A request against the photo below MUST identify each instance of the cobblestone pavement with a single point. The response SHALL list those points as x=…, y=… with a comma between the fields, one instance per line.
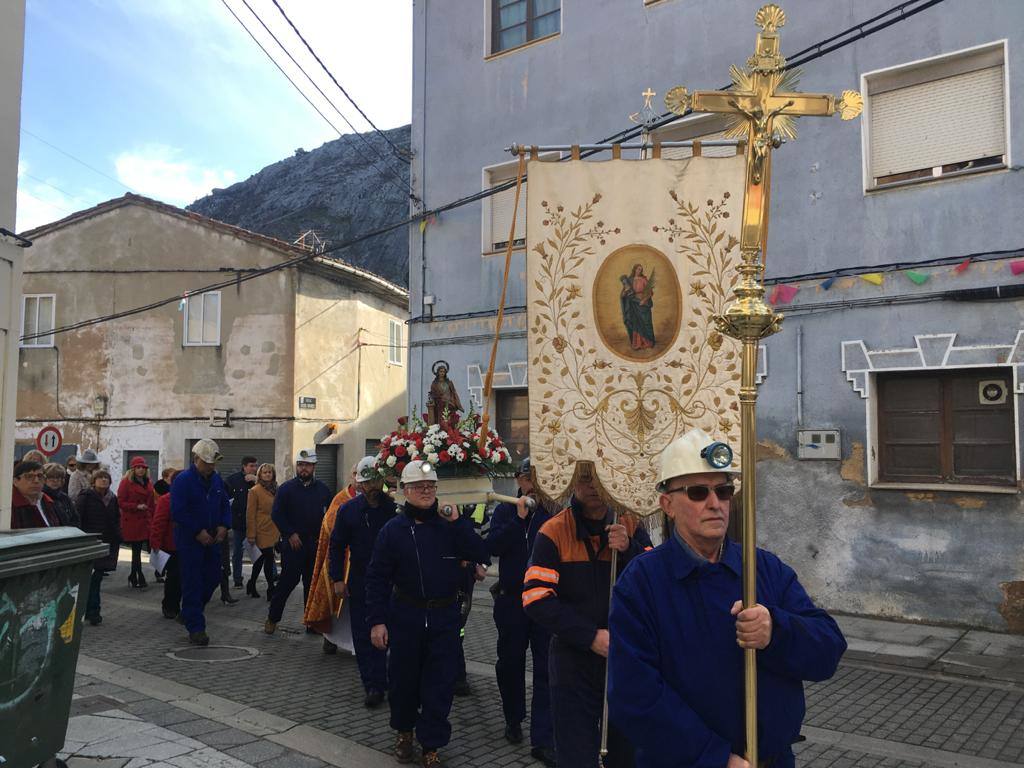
x=869, y=714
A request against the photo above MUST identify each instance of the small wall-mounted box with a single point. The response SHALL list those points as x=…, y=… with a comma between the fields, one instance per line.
x=818, y=444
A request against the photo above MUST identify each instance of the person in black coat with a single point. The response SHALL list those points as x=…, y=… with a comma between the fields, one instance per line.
x=238, y=486
x=100, y=513
x=54, y=480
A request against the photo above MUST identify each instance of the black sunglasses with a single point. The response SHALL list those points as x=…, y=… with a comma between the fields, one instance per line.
x=700, y=492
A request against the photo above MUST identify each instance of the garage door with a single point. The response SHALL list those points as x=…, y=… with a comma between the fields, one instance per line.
x=235, y=450
x=327, y=465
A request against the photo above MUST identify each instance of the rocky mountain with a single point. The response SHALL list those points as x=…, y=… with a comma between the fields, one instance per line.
x=341, y=190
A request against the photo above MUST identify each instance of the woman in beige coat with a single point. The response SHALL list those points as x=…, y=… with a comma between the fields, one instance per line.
x=260, y=528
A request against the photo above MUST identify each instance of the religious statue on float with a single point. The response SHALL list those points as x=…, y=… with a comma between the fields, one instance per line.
x=443, y=404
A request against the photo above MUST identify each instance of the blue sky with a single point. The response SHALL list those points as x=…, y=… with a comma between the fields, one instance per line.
x=170, y=98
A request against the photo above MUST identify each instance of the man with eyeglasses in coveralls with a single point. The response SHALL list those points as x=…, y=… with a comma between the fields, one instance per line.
x=679, y=630
x=412, y=607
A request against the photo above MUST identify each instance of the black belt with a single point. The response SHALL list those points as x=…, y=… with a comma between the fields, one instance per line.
x=419, y=602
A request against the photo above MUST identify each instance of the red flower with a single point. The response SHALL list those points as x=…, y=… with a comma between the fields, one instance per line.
x=403, y=420
x=426, y=415
x=384, y=453
x=399, y=466
x=400, y=451
x=419, y=441
x=444, y=457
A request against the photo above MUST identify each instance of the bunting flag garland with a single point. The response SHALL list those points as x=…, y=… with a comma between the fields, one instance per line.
x=1017, y=267
x=431, y=219
x=917, y=278
x=875, y=278
x=962, y=266
x=826, y=284
x=783, y=294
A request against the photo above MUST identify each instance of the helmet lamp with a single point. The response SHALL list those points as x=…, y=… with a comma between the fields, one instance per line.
x=718, y=455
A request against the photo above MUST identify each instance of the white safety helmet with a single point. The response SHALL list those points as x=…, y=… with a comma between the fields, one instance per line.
x=695, y=453
x=417, y=471
x=307, y=455
x=366, y=470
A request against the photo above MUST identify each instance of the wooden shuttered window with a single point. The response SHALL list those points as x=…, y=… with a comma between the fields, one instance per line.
x=929, y=121
x=949, y=427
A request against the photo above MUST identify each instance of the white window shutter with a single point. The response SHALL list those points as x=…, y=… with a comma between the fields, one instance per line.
x=941, y=122
x=501, y=216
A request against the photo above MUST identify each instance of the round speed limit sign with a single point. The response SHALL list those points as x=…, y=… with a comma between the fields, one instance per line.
x=49, y=440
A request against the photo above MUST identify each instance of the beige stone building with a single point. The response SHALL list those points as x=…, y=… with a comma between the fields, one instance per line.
x=264, y=363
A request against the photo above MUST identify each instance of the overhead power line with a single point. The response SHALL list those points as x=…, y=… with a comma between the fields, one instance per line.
x=903, y=11
x=404, y=156
x=54, y=147
x=406, y=189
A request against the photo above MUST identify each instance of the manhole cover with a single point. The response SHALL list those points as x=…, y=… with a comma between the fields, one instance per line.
x=211, y=653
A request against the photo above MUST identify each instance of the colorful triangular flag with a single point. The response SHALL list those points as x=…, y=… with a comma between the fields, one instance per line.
x=918, y=278
x=827, y=283
x=875, y=278
x=962, y=266
x=783, y=294
x=1017, y=267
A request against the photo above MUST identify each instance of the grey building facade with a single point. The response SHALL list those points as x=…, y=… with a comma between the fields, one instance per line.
x=900, y=360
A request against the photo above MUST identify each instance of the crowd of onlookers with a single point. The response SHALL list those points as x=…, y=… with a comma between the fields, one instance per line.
x=136, y=514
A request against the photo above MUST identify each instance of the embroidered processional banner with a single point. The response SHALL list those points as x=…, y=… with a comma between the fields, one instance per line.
x=627, y=263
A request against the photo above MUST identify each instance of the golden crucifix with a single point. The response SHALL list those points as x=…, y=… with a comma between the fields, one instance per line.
x=762, y=105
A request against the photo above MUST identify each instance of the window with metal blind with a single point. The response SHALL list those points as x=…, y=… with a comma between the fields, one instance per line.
x=937, y=118
x=395, y=342
x=502, y=204
x=950, y=427
x=202, y=320
x=512, y=412
x=517, y=22
x=704, y=128
x=38, y=312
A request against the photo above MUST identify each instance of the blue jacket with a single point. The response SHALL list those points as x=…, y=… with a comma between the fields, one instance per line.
x=419, y=560
x=238, y=489
x=356, y=527
x=676, y=673
x=299, y=508
x=198, y=504
x=511, y=540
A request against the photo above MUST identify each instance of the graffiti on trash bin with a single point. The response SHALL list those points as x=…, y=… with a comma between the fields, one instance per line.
x=29, y=628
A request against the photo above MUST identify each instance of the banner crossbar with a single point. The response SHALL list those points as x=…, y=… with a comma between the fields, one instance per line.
x=516, y=149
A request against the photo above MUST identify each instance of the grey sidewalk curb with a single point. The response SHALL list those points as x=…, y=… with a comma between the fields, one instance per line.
x=332, y=749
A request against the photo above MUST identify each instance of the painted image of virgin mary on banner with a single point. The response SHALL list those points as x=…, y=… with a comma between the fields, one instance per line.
x=637, y=301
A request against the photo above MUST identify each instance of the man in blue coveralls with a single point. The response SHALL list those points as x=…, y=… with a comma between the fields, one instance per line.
x=514, y=528
x=678, y=630
x=201, y=510
x=355, y=529
x=412, y=594
x=298, y=513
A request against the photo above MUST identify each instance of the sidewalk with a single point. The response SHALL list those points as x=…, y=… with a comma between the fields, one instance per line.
x=906, y=695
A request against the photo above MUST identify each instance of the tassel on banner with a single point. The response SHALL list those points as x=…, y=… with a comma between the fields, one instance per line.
x=875, y=278
x=783, y=294
x=962, y=266
x=1017, y=267
x=917, y=278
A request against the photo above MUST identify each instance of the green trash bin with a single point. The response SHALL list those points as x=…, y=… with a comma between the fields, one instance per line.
x=44, y=587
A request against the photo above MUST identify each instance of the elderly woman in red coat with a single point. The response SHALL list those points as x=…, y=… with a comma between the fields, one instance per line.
x=161, y=537
x=137, y=500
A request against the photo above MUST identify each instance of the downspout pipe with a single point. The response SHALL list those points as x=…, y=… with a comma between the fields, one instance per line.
x=799, y=376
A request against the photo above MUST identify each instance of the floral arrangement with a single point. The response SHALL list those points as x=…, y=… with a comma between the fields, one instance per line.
x=454, y=445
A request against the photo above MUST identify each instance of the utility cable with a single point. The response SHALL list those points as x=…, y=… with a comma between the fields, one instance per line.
x=407, y=188
x=80, y=162
x=404, y=156
x=423, y=215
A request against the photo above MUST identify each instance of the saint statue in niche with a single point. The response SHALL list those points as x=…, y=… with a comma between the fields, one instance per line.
x=443, y=404
x=637, y=302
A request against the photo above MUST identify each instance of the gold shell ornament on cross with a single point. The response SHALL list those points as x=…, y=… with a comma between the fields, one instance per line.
x=677, y=100
x=770, y=18
x=850, y=105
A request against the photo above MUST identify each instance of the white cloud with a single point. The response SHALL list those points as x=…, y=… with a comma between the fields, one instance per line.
x=159, y=171
x=40, y=201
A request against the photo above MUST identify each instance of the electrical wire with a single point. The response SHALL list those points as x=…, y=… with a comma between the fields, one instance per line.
x=398, y=152
x=407, y=188
x=41, y=140
x=423, y=215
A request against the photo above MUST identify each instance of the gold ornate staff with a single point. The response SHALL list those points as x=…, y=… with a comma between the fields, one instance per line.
x=762, y=105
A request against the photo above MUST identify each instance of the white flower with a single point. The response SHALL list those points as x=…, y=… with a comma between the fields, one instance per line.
x=391, y=461
x=432, y=458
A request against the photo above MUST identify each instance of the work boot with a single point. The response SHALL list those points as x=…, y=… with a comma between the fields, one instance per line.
x=374, y=698
x=329, y=648
x=514, y=733
x=168, y=613
x=404, y=750
x=545, y=755
x=432, y=760
x=198, y=638
x=269, y=626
